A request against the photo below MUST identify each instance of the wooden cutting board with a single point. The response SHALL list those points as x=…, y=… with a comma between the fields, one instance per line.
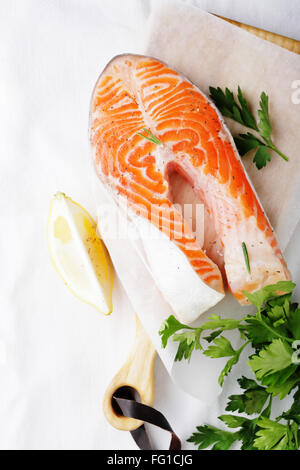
x=138, y=371
x=282, y=41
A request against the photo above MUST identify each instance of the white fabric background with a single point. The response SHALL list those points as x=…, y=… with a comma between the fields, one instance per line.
x=57, y=355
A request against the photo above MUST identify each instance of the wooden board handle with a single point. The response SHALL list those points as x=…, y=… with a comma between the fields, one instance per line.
x=138, y=373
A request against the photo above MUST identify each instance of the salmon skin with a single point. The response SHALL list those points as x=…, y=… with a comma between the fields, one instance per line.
x=136, y=92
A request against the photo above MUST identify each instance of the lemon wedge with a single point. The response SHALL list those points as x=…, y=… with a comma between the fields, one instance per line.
x=78, y=254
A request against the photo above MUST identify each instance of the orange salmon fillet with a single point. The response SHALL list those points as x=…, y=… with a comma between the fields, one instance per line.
x=136, y=92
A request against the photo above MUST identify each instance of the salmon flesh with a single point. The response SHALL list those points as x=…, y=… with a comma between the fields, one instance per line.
x=135, y=93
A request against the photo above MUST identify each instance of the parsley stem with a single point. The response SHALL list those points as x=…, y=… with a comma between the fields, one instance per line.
x=243, y=347
x=239, y=351
x=272, y=147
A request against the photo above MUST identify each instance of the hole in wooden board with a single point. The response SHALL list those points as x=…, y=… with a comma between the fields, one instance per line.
x=129, y=393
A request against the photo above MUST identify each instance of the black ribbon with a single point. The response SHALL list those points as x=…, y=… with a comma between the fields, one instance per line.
x=125, y=403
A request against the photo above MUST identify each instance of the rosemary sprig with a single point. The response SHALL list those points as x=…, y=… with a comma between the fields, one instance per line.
x=151, y=137
x=246, y=256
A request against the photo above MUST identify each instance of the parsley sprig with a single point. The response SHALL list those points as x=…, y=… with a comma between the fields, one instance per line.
x=273, y=332
x=240, y=111
x=260, y=433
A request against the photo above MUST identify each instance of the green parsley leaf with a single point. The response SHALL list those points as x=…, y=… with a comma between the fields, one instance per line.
x=227, y=369
x=264, y=124
x=247, y=431
x=279, y=311
x=251, y=401
x=261, y=331
x=247, y=116
x=247, y=142
x=294, y=324
x=281, y=383
x=294, y=412
x=215, y=321
x=209, y=435
x=213, y=335
x=258, y=298
x=261, y=157
x=247, y=384
x=222, y=348
x=229, y=365
x=247, y=434
x=233, y=421
x=274, y=358
x=168, y=328
x=227, y=105
x=273, y=435
x=188, y=341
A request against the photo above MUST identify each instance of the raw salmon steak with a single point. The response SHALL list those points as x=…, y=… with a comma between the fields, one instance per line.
x=135, y=93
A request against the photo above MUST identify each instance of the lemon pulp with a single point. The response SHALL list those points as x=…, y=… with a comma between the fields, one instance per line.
x=78, y=254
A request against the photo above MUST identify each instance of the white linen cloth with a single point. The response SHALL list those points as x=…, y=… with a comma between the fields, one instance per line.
x=57, y=355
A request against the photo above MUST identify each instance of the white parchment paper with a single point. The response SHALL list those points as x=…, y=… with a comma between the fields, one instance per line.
x=210, y=51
